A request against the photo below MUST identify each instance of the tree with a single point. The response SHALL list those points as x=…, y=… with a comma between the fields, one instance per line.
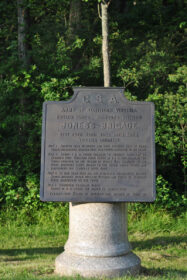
x=74, y=18
x=148, y=58
x=22, y=32
x=105, y=44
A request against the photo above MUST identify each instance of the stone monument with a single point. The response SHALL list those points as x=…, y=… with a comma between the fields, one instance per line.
x=98, y=153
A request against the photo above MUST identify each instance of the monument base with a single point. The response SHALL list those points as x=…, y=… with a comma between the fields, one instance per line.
x=98, y=242
x=71, y=265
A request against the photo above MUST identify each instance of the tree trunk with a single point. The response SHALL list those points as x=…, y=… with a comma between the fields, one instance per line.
x=22, y=14
x=74, y=18
x=105, y=47
x=22, y=31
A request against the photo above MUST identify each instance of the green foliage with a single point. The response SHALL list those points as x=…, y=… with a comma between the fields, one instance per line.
x=180, y=79
x=8, y=186
x=167, y=200
x=23, y=203
x=170, y=137
x=56, y=89
x=20, y=128
x=147, y=55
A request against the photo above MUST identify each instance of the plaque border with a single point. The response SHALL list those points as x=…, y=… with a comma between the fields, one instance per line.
x=76, y=91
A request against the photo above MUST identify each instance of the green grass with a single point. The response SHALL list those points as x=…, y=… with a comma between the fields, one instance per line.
x=28, y=252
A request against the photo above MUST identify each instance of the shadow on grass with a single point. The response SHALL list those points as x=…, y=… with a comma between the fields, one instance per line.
x=30, y=252
x=158, y=241
x=161, y=272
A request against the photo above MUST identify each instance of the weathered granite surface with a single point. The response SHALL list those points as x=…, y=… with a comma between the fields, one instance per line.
x=98, y=242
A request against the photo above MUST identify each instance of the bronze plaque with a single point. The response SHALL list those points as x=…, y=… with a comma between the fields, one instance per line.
x=98, y=147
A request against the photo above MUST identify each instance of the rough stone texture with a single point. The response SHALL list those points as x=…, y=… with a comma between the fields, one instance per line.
x=98, y=242
x=69, y=265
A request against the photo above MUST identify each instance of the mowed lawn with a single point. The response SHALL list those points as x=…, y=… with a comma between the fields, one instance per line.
x=29, y=251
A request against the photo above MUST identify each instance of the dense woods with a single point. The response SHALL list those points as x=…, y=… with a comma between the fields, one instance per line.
x=46, y=47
